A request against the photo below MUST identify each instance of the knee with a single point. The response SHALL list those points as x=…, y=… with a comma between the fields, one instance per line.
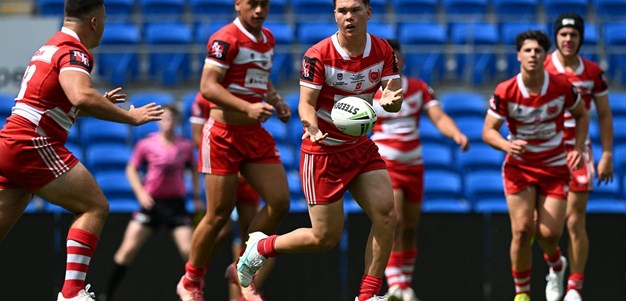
x=386, y=218
x=522, y=234
x=576, y=221
x=327, y=242
x=100, y=209
x=216, y=220
x=280, y=206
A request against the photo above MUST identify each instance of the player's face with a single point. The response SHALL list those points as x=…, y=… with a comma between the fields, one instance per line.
x=531, y=56
x=352, y=16
x=168, y=122
x=252, y=13
x=568, y=40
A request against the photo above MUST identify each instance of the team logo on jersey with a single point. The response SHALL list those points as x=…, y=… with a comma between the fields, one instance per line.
x=308, y=69
x=553, y=109
x=218, y=50
x=80, y=58
x=494, y=103
x=374, y=76
x=339, y=76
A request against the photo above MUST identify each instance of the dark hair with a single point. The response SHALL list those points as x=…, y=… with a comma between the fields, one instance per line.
x=81, y=8
x=572, y=20
x=365, y=2
x=537, y=35
x=395, y=45
x=173, y=109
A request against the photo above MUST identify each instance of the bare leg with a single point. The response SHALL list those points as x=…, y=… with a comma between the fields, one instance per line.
x=12, y=204
x=521, y=212
x=135, y=236
x=577, y=228
x=270, y=182
x=182, y=237
x=551, y=216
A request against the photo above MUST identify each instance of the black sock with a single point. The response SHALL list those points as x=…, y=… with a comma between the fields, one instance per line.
x=116, y=277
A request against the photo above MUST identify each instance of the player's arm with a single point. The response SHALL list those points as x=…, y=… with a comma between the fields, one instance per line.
x=446, y=126
x=78, y=89
x=196, y=133
x=308, y=115
x=574, y=158
x=273, y=97
x=392, y=97
x=145, y=199
x=492, y=136
x=212, y=89
x=605, y=119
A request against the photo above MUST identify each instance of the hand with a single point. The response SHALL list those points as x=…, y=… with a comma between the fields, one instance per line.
x=147, y=113
x=605, y=169
x=391, y=101
x=259, y=111
x=462, y=141
x=284, y=112
x=113, y=97
x=516, y=147
x=312, y=132
x=575, y=159
x=145, y=200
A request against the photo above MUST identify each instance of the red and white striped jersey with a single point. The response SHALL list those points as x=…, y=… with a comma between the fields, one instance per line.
x=327, y=67
x=589, y=80
x=397, y=134
x=247, y=59
x=537, y=119
x=41, y=103
x=200, y=110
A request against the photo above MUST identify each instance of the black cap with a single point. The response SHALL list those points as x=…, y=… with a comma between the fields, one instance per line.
x=572, y=20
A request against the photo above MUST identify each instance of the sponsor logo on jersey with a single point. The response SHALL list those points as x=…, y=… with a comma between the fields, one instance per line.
x=218, y=50
x=80, y=58
x=308, y=69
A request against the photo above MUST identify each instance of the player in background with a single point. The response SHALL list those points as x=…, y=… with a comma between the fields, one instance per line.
x=591, y=83
x=236, y=80
x=161, y=193
x=398, y=141
x=56, y=88
x=536, y=173
x=247, y=203
x=351, y=62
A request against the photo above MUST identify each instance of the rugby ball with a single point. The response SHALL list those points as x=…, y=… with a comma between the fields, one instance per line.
x=353, y=116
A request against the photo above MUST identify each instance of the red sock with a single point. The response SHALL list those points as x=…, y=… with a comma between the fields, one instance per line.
x=554, y=260
x=370, y=286
x=575, y=282
x=408, y=265
x=80, y=247
x=266, y=247
x=522, y=281
x=193, y=276
x=393, y=271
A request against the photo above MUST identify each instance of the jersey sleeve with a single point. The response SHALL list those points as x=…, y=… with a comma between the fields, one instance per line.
x=572, y=97
x=75, y=59
x=430, y=99
x=390, y=69
x=497, y=105
x=312, y=74
x=222, y=49
x=601, y=84
x=139, y=155
x=200, y=110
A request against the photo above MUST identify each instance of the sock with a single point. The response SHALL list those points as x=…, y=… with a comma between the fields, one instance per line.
x=554, y=260
x=575, y=282
x=266, y=247
x=393, y=271
x=408, y=265
x=370, y=286
x=193, y=276
x=116, y=277
x=522, y=281
x=80, y=247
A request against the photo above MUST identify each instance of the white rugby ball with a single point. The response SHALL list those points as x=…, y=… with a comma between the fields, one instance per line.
x=353, y=115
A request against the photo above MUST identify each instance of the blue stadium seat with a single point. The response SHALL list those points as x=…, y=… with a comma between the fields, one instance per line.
x=211, y=10
x=118, y=191
x=606, y=190
x=381, y=30
x=119, y=10
x=203, y=32
x=424, y=44
x=278, y=9
x=480, y=156
x=142, y=131
x=379, y=8
x=606, y=206
x=443, y=192
x=437, y=156
x=294, y=132
x=472, y=127
x=277, y=128
x=187, y=103
x=466, y=9
x=96, y=131
x=508, y=32
x=617, y=103
x=422, y=9
x=554, y=8
x=619, y=135
x=594, y=131
x=464, y=104
x=592, y=37
x=168, y=63
x=515, y=9
x=322, y=9
x=295, y=186
x=107, y=157
x=492, y=205
x=615, y=35
x=288, y=156
x=619, y=159
x=481, y=61
x=282, y=64
x=292, y=100
x=143, y=98
x=430, y=134
x=610, y=9
x=483, y=185
x=311, y=33
x=162, y=10
x=74, y=135
x=51, y=7
x=118, y=57
x=76, y=149
x=7, y=101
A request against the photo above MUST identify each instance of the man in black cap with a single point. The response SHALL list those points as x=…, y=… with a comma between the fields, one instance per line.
x=591, y=83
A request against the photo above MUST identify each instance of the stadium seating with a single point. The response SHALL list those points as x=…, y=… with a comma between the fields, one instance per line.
x=437, y=156
x=443, y=192
x=515, y=9
x=51, y=7
x=614, y=37
x=143, y=98
x=472, y=127
x=162, y=10
x=554, y=8
x=381, y=30
x=480, y=156
x=76, y=149
x=7, y=101
x=288, y=156
x=96, y=131
x=484, y=185
x=277, y=128
x=187, y=101
x=464, y=104
x=282, y=65
x=320, y=10
x=619, y=135
x=211, y=10
x=107, y=157
x=118, y=59
x=311, y=33
x=617, y=103
x=422, y=9
x=119, y=10
x=610, y=9
x=118, y=191
x=430, y=134
x=619, y=159
x=168, y=62
x=426, y=59
x=467, y=9
x=481, y=61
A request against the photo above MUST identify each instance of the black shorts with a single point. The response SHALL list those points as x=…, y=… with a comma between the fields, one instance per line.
x=170, y=212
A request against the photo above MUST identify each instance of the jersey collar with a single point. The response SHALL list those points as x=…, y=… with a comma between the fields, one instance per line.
x=524, y=91
x=344, y=54
x=559, y=67
x=247, y=33
x=70, y=32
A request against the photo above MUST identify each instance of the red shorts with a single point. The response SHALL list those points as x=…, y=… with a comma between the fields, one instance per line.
x=31, y=162
x=246, y=194
x=582, y=178
x=325, y=178
x=549, y=181
x=409, y=179
x=225, y=147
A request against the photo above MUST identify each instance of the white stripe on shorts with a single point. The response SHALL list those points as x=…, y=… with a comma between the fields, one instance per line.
x=50, y=156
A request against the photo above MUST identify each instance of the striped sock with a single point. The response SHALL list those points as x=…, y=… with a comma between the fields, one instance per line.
x=80, y=247
x=522, y=281
x=393, y=271
x=408, y=266
x=370, y=286
x=554, y=260
x=575, y=282
x=193, y=276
